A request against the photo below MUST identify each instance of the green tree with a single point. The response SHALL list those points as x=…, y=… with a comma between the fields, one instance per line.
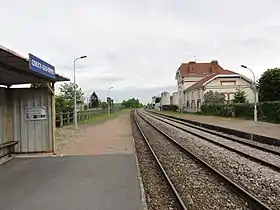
x=65, y=100
x=94, y=101
x=124, y=104
x=60, y=105
x=214, y=97
x=103, y=105
x=112, y=102
x=131, y=103
x=157, y=100
x=239, y=96
x=269, y=85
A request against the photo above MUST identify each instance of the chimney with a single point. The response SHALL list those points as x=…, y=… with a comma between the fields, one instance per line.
x=214, y=67
x=192, y=66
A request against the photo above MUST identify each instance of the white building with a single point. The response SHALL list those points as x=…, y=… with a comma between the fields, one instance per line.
x=195, y=79
x=174, y=100
x=192, y=72
x=165, y=99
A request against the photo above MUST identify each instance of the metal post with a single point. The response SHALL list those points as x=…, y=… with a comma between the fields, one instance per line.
x=61, y=119
x=255, y=93
x=68, y=118
x=75, y=94
x=75, y=97
x=109, y=101
x=182, y=101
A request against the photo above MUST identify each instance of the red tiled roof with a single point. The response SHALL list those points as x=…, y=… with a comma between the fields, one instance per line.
x=207, y=78
x=199, y=69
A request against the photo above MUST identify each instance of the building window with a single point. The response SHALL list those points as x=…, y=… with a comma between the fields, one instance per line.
x=228, y=83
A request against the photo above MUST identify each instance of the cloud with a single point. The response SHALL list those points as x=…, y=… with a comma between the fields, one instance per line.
x=138, y=45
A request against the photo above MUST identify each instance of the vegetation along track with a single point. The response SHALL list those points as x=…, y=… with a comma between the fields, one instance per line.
x=198, y=183
x=265, y=156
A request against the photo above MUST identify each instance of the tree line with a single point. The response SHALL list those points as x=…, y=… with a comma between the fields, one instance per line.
x=65, y=100
x=132, y=104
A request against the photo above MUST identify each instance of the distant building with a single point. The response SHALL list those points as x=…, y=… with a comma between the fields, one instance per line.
x=195, y=79
x=165, y=99
x=192, y=72
x=174, y=97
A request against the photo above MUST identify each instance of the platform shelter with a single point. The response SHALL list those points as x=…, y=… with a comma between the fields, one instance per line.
x=27, y=115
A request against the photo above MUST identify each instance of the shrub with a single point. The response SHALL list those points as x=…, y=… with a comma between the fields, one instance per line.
x=212, y=109
x=267, y=111
x=169, y=108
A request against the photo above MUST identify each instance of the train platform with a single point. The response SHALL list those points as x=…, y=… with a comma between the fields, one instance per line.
x=259, y=128
x=100, y=174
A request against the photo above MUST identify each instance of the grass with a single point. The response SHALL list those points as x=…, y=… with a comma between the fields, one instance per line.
x=101, y=118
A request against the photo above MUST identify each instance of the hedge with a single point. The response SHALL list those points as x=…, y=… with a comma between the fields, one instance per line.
x=267, y=111
x=169, y=108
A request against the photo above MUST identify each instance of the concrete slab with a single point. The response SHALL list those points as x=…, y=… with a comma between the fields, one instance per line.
x=70, y=182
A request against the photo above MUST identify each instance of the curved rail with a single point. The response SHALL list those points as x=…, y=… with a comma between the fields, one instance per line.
x=261, y=161
x=178, y=197
x=181, y=121
x=239, y=190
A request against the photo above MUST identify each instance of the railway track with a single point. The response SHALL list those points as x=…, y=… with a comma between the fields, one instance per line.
x=262, y=146
x=178, y=198
x=269, y=157
x=253, y=202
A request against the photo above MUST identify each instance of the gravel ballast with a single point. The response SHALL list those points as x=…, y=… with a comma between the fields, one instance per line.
x=266, y=156
x=251, y=142
x=198, y=188
x=259, y=180
x=157, y=191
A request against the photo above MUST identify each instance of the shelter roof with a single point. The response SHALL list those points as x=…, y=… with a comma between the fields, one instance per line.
x=14, y=70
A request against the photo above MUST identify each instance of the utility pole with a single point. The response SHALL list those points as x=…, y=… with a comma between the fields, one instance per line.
x=255, y=93
x=109, y=100
x=75, y=94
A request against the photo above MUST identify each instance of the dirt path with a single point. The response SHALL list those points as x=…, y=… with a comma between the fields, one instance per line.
x=111, y=137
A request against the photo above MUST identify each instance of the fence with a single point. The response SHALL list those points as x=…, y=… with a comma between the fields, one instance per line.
x=68, y=117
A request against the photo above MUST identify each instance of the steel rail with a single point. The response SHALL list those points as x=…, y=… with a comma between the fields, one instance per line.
x=181, y=121
x=255, y=202
x=178, y=197
x=255, y=159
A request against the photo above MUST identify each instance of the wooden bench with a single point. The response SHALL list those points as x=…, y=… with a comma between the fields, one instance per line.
x=10, y=145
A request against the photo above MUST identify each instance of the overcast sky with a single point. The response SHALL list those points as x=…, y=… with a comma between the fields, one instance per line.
x=137, y=45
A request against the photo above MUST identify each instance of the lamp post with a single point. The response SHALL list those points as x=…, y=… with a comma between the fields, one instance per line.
x=75, y=94
x=109, y=101
x=255, y=93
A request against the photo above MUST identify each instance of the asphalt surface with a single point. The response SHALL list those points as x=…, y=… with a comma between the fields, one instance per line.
x=99, y=182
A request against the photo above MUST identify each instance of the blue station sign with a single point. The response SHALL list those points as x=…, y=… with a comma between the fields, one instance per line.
x=39, y=66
